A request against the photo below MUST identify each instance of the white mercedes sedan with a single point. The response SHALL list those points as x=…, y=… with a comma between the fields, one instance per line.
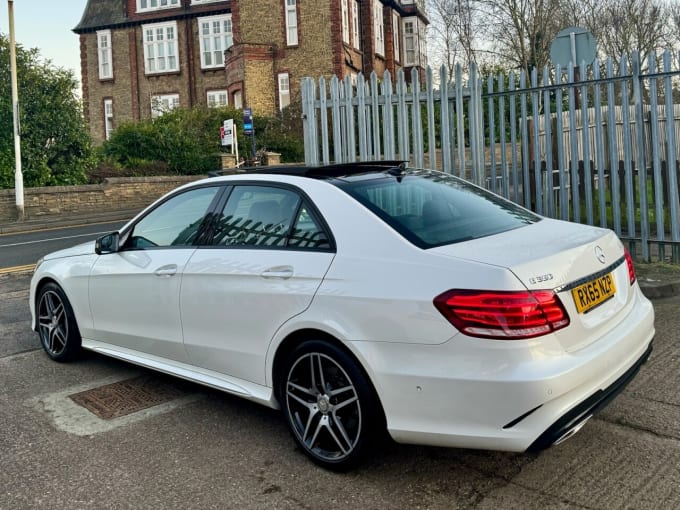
x=359, y=299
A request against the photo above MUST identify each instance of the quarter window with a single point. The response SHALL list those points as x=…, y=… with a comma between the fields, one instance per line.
x=160, y=48
x=104, y=54
x=175, y=222
x=216, y=36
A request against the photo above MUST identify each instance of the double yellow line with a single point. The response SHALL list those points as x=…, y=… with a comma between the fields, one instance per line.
x=17, y=269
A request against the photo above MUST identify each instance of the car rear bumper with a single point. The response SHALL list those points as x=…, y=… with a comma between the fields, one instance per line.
x=503, y=395
x=571, y=422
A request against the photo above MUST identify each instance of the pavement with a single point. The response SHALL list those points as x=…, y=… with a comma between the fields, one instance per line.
x=657, y=280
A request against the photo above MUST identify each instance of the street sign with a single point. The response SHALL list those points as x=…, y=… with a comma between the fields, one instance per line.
x=228, y=132
x=248, y=128
x=575, y=45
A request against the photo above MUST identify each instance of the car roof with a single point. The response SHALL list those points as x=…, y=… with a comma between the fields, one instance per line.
x=317, y=172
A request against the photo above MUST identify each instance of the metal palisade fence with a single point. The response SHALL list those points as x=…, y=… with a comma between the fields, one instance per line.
x=601, y=148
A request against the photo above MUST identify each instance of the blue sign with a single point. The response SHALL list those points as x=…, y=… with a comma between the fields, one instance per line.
x=248, y=128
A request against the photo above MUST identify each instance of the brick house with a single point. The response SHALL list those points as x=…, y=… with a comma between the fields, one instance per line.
x=142, y=57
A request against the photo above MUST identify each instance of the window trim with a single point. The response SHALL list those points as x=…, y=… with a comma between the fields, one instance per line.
x=107, y=132
x=356, y=24
x=208, y=93
x=345, y=20
x=414, y=35
x=211, y=37
x=396, y=36
x=287, y=9
x=279, y=76
x=145, y=44
x=160, y=97
x=107, y=51
x=175, y=5
x=379, y=28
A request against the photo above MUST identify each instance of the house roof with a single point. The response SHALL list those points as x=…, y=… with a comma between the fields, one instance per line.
x=101, y=14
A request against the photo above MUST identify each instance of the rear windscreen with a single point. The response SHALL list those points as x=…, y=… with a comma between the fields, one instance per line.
x=433, y=209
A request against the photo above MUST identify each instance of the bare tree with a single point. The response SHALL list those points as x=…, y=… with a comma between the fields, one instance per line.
x=628, y=25
x=521, y=30
x=453, y=27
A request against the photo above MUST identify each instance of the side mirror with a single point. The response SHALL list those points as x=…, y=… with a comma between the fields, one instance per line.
x=107, y=243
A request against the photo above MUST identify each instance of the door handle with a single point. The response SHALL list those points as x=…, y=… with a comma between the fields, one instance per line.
x=166, y=271
x=282, y=272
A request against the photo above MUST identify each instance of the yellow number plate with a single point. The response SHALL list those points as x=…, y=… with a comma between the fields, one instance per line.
x=593, y=293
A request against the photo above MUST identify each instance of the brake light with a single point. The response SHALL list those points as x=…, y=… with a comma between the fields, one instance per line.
x=503, y=315
x=629, y=263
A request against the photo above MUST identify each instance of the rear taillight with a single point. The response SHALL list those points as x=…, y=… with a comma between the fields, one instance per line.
x=503, y=315
x=629, y=263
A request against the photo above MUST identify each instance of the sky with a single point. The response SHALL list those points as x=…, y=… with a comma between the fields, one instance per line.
x=47, y=25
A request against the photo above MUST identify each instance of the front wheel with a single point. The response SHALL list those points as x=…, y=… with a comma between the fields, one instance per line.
x=57, y=325
x=330, y=405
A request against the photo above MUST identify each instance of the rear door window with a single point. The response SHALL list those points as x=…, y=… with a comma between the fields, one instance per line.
x=433, y=209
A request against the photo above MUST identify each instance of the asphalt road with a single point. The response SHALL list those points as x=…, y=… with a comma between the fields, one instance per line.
x=26, y=248
x=209, y=450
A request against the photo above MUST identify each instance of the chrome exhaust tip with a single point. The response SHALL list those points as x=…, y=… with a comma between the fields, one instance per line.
x=569, y=433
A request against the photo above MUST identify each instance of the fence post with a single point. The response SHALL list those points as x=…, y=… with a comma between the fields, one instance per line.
x=309, y=122
x=641, y=163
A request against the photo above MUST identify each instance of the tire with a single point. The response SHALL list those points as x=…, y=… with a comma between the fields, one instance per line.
x=57, y=327
x=330, y=405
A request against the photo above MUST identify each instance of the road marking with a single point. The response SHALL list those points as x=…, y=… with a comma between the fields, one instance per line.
x=17, y=269
x=64, y=227
x=53, y=239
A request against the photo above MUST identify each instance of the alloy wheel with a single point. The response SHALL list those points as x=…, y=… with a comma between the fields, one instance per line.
x=324, y=407
x=53, y=323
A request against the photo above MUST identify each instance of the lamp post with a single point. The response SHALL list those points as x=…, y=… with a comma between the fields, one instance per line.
x=18, y=175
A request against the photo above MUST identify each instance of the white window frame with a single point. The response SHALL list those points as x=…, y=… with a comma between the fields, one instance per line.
x=356, y=32
x=284, y=90
x=108, y=118
x=162, y=103
x=344, y=13
x=396, y=36
x=238, y=99
x=157, y=5
x=214, y=98
x=422, y=43
x=410, y=34
x=161, y=49
x=291, y=22
x=104, y=54
x=378, y=28
x=214, y=43
x=198, y=2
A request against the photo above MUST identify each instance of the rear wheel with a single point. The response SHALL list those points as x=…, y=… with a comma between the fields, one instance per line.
x=57, y=325
x=329, y=404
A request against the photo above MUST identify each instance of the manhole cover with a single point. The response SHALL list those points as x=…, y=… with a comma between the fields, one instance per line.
x=129, y=396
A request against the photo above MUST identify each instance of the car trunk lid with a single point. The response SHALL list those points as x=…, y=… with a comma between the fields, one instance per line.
x=583, y=265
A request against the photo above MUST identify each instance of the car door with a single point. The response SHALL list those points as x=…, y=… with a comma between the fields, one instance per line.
x=134, y=292
x=270, y=253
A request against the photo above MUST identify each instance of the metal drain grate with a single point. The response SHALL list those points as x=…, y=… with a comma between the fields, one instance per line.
x=129, y=396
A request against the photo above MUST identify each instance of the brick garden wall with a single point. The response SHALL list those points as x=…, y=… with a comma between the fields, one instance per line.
x=131, y=193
